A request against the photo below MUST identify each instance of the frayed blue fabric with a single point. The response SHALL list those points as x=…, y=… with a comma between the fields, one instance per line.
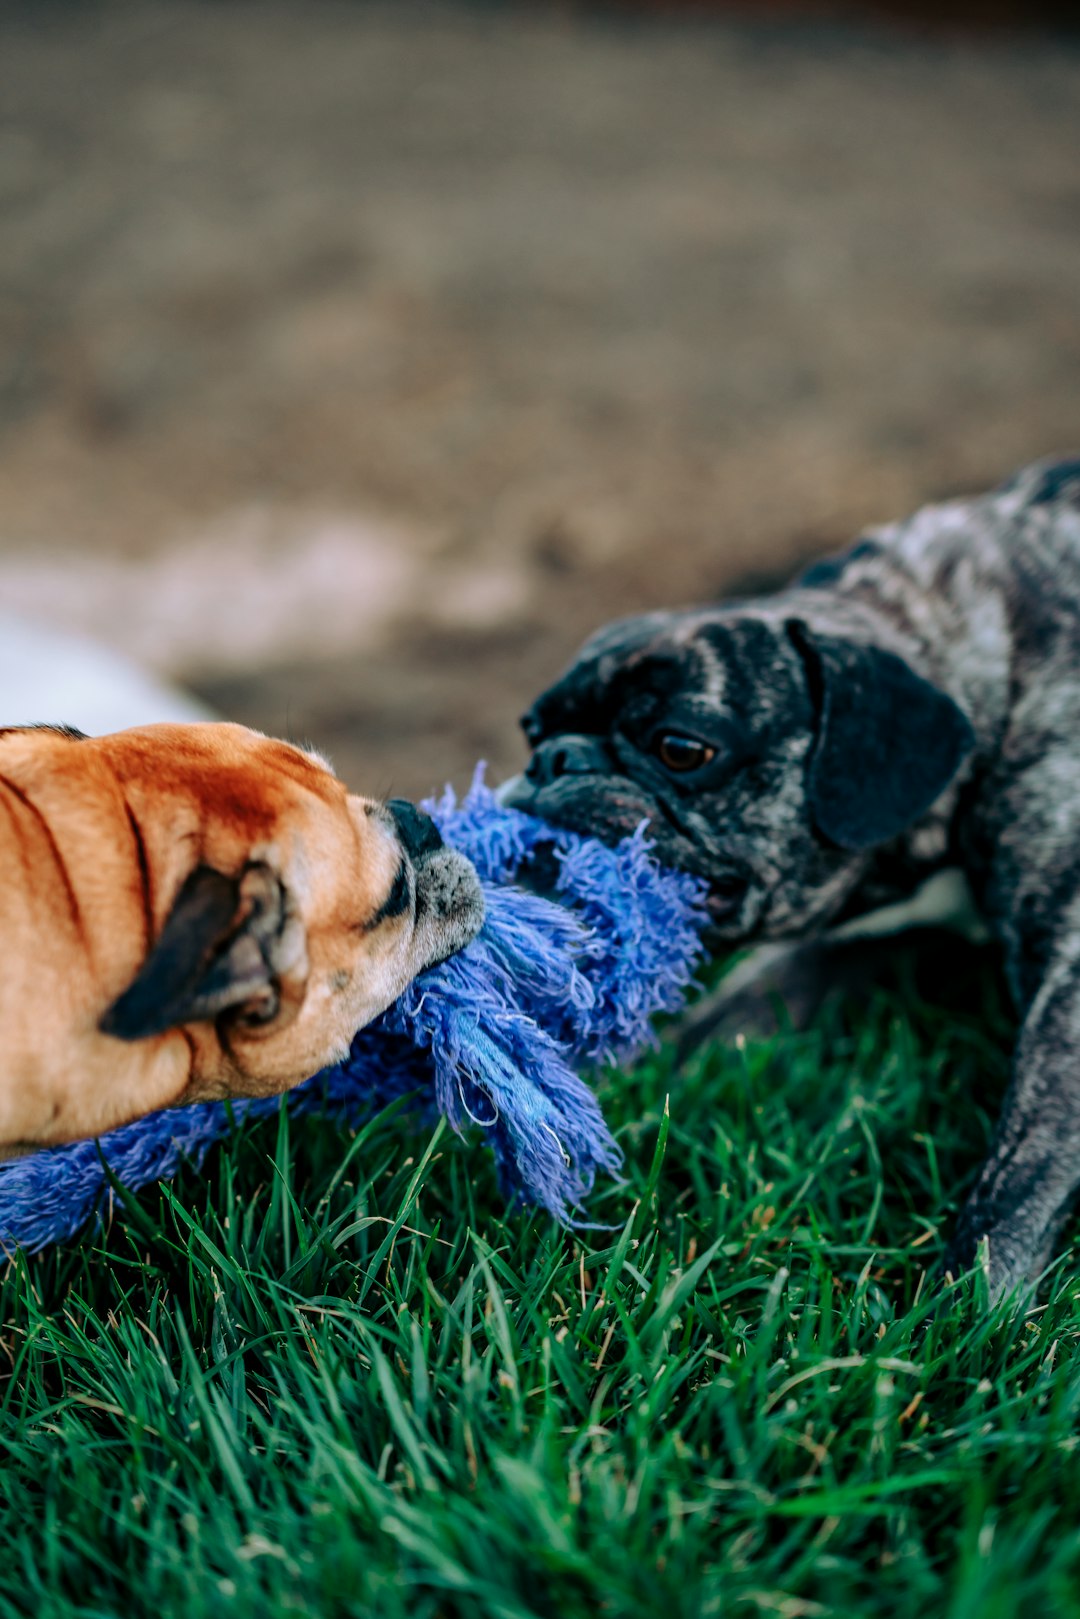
x=494, y=1037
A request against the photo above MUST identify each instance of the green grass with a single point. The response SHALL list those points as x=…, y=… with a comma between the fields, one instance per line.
x=333, y=1377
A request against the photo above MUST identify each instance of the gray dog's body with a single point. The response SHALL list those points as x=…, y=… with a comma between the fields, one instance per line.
x=816, y=754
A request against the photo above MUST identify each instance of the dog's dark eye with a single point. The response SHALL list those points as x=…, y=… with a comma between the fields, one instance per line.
x=682, y=753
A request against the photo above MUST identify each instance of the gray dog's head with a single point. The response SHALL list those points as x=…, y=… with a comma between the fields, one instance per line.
x=766, y=756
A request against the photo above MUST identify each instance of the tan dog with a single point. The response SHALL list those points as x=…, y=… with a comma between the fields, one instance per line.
x=196, y=911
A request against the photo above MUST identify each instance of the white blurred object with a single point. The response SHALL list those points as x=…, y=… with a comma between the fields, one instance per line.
x=51, y=677
x=308, y=581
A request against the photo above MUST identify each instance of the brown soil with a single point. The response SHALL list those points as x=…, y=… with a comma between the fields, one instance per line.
x=355, y=360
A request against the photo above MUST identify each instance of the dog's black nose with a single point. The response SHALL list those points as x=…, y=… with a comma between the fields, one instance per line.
x=418, y=833
x=567, y=756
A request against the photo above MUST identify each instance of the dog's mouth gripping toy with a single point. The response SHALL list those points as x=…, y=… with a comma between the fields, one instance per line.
x=492, y=1037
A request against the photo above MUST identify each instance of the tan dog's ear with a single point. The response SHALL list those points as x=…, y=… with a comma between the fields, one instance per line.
x=212, y=956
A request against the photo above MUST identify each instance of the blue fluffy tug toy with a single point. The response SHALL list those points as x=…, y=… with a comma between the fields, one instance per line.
x=492, y=1037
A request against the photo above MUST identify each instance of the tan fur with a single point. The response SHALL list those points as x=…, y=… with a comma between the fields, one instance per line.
x=97, y=837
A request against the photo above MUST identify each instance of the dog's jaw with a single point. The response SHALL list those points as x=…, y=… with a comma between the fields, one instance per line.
x=741, y=825
x=449, y=906
x=354, y=972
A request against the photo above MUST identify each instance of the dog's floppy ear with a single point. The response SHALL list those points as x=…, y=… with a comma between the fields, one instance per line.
x=888, y=742
x=211, y=957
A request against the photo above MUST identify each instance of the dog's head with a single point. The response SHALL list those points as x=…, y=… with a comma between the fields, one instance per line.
x=767, y=756
x=284, y=912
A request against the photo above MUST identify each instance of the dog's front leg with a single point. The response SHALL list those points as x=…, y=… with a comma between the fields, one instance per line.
x=782, y=985
x=789, y=982
x=1028, y=1184
x=776, y=984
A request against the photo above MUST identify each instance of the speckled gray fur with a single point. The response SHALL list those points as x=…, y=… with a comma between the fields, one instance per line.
x=822, y=739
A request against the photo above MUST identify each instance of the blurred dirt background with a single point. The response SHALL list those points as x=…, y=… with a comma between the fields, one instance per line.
x=357, y=359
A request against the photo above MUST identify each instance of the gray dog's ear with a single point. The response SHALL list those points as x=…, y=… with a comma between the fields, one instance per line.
x=211, y=957
x=888, y=742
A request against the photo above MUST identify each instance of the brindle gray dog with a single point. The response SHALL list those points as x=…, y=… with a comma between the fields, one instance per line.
x=911, y=705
